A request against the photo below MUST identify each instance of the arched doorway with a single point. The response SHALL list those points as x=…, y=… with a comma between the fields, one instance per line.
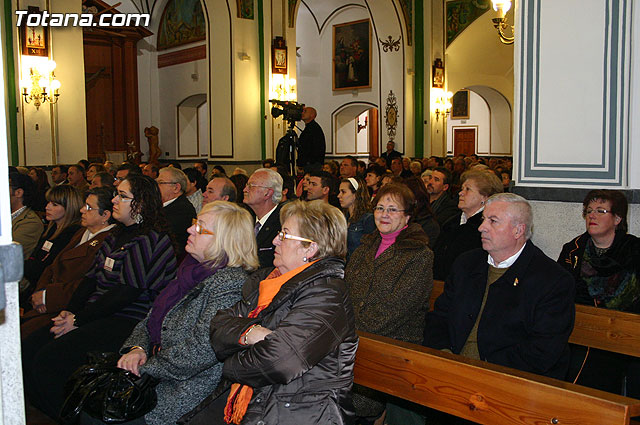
x=482, y=126
x=354, y=130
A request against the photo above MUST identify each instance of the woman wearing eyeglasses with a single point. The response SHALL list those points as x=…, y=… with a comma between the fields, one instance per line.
x=172, y=343
x=605, y=263
x=131, y=268
x=289, y=345
x=390, y=279
x=58, y=281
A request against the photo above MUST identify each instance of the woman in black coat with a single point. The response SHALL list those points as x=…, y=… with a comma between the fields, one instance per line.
x=289, y=346
x=605, y=263
x=460, y=234
x=63, y=213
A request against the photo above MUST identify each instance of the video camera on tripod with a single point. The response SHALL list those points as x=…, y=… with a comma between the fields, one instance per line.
x=286, y=149
x=290, y=111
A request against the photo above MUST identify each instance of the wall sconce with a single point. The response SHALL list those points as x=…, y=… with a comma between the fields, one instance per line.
x=500, y=23
x=37, y=88
x=283, y=88
x=442, y=103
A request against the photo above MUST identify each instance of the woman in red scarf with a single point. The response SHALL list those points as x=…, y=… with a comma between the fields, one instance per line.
x=289, y=345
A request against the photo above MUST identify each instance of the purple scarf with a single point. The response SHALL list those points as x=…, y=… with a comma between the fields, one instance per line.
x=190, y=274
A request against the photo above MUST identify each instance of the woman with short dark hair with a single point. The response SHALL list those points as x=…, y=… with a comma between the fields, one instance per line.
x=605, y=263
x=390, y=279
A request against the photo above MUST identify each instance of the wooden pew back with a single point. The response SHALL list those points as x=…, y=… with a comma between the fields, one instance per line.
x=482, y=392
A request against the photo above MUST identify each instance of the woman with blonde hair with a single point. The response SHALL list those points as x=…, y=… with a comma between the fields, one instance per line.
x=460, y=233
x=356, y=205
x=172, y=343
x=291, y=339
x=63, y=213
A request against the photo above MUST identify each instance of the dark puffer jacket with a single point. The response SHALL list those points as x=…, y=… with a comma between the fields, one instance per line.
x=302, y=373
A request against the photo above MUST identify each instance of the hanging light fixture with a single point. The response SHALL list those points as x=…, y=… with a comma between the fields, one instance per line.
x=500, y=23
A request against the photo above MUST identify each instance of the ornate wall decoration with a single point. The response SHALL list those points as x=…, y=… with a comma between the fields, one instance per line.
x=389, y=45
x=182, y=22
x=407, y=11
x=245, y=9
x=461, y=14
x=391, y=115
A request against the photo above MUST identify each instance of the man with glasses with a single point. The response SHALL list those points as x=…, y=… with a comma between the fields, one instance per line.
x=507, y=303
x=262, y=195
x=177, y=208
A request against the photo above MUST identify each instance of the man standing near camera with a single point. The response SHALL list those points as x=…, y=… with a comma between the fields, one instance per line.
x=311, y=145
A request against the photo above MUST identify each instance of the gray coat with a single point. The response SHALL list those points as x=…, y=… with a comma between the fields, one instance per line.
x=186, y=365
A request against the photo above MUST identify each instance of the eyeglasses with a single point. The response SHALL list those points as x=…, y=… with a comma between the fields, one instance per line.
x=599, y=211
x=199, y=229
x=123, y=198
x=89, y=207
x=251, y=185
x=282, y=235
x=391, y=210
x=167, y=182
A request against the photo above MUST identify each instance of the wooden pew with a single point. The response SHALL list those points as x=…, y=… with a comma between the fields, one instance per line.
x=482, y=392
x=608, y=330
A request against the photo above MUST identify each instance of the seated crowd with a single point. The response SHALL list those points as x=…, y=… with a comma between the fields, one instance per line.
x=241, y=295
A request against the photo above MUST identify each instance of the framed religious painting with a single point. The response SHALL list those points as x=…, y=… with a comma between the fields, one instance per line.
x=279, y=56
x=437, y=71
x=34, y=40
x=460, y=105
x=352, y=55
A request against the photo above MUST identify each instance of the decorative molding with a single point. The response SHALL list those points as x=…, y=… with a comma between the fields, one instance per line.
x=610, y=170
x=182, y=56
x=391, y=115
x=389, y=45
x=407, y=11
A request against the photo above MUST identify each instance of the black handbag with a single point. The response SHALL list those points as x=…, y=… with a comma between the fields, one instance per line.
x=107, y=392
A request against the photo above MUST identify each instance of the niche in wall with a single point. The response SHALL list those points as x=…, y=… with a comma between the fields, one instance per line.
x=193, y=127
x=355, y=130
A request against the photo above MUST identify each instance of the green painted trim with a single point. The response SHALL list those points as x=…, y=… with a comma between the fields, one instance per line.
x=418, y=47
x=10, y=72
x=263, y=89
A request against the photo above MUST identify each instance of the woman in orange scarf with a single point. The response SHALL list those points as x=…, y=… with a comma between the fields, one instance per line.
x=289, y=345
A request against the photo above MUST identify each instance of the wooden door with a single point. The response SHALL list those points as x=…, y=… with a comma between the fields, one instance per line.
x=373, y=132
x=111, y=86
x=464, y=141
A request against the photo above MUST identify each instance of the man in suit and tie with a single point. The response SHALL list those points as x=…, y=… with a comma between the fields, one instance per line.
x=177, y=208
x=262, y=195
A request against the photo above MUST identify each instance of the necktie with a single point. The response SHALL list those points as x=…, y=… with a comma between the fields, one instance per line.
x=256, y=228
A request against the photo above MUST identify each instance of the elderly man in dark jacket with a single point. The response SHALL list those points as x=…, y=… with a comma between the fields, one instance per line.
x=518, y=310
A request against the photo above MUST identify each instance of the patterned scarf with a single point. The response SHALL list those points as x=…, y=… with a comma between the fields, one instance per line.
x=611, y=284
